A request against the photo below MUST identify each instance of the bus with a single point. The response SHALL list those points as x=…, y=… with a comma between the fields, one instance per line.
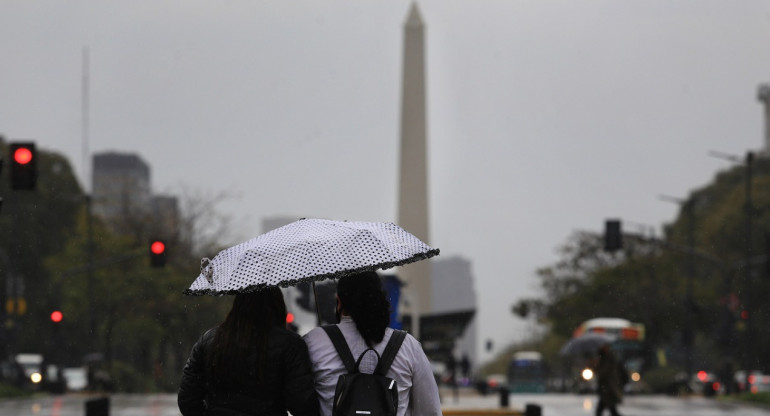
x=622, y=329
x=627, y=347
x=527, y=373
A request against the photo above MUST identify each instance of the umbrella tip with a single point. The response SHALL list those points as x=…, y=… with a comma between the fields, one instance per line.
x=207, y=270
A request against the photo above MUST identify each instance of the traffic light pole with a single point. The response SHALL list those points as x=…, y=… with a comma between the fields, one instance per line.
x=748, y=303
x=90, y=275
x=4, y=342
x=689, y=304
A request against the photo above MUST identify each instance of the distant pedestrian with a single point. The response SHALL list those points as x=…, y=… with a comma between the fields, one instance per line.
x=451, y=365
x=609, y=376
x=727, y=376
x=465, y=366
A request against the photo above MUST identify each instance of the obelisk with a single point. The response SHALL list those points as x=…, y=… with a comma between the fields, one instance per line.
x=413, y=179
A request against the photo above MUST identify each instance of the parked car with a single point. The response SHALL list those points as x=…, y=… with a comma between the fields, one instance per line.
x=492, y=383
x=758, y=382
x=76, y=378
x=32, y=368
x=705, y=383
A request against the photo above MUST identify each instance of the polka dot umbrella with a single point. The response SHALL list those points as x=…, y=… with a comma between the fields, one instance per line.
x=308, y=250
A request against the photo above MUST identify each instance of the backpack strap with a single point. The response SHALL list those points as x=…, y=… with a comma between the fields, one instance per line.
x=394, y=344
x=342, y=347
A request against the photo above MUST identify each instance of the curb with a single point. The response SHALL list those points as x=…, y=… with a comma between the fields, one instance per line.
x=481, y=412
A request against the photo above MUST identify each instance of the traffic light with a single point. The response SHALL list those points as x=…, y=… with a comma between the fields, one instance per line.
x=613, y=235
x=23, y=165
x=157, y=253
x=56, y=316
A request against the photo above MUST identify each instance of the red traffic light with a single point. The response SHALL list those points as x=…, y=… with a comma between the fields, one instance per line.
x=57, y=316
x=157, y=253
x=157, y=247
x=22, y=155
x=23, y=165
x=289, y=318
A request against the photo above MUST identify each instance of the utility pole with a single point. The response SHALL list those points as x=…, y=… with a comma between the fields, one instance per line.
x=689, y=305
x=748, y=303
x=85, y=127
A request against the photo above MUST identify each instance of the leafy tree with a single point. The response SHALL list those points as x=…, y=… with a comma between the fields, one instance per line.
x=689, y=288
x=33, y=225
x=134, y=316
x=115, y=305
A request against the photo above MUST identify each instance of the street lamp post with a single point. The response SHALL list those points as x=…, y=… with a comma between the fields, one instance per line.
x=689, y=213
x=747, y=296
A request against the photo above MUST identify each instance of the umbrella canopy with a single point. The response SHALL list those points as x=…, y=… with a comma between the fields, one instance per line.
x=308, y=249
x=587, y=344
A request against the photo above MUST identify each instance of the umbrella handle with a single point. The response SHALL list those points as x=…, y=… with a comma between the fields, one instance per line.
x=317, y=309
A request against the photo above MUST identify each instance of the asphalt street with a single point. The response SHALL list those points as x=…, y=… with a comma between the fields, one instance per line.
x=551, y=405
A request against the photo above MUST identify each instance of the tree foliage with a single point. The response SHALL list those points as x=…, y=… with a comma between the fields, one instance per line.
x=116, y=307
x=695, y=285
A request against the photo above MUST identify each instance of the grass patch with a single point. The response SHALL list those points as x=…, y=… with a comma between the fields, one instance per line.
x=9, y=390
x=763, y=398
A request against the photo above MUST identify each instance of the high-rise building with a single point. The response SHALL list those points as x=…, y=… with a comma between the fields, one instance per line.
x=122, y=197
x=165, y=216
x=121, y=186
x=454, y=298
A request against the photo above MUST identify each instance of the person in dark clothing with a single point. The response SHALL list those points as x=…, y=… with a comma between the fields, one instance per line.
x=250, y=364
x=465, y=366
x=608, y=376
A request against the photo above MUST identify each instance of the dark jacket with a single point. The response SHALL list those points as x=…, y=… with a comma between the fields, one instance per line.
x=608, y=374
x=288, y=384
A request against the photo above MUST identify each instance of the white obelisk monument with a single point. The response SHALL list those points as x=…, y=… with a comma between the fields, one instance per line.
x=413, y=171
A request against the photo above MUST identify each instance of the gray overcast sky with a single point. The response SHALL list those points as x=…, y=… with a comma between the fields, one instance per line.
x=544, y=117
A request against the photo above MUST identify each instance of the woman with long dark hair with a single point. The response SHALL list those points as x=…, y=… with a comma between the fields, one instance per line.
x=363, y=312
x=250, y=364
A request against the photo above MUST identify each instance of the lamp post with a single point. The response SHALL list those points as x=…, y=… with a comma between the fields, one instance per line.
x=747, y=296
x=689, y=213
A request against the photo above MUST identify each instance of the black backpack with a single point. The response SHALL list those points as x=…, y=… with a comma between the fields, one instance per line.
x=360, y=393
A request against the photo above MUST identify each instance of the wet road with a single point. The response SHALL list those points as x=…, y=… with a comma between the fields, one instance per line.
x=551, y=404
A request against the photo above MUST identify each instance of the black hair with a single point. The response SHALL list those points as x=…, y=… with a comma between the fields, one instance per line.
x=248, y=324
x=363, y=297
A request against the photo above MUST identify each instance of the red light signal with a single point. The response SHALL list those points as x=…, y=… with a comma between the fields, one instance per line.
x=22, y=155
x=289, y=318
x=157, y=253
x=23, y=165
x=56, y=316
x=157, y=247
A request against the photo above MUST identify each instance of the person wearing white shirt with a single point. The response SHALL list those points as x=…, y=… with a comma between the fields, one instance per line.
x=363, y=312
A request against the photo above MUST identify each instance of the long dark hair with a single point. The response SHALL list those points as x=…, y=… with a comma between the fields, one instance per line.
x=363, y=297
x=248, y=324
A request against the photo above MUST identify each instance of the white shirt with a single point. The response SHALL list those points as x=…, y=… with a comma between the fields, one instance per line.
x=417, y=390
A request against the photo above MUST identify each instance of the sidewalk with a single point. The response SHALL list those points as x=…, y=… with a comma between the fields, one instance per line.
x=469, y=402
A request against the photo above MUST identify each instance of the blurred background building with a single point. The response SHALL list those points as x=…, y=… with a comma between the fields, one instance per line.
x=122, y=197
